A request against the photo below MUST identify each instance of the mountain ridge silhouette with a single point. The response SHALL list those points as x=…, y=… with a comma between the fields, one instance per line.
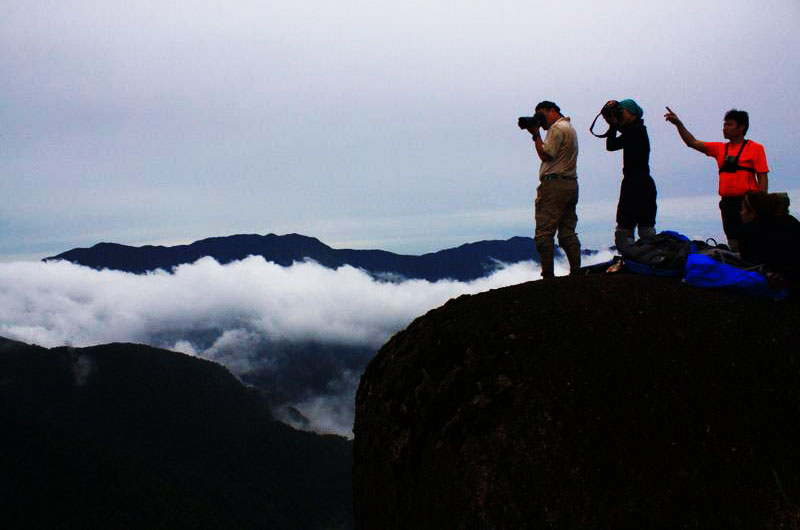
x=464, y=263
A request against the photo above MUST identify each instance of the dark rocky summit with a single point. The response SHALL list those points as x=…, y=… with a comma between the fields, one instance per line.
x=596, y=402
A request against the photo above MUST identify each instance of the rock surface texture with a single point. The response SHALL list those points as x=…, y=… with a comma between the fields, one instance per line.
x=595, y=402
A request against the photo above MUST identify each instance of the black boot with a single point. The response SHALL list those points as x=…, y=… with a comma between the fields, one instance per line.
x=546, y=260
x=573, y=253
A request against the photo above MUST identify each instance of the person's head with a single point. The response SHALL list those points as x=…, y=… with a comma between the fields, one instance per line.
x=630, y=111
x=759, y=205
x=551, y=112
x=735, y=125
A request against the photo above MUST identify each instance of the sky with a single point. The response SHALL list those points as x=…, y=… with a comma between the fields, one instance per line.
x=367, y=124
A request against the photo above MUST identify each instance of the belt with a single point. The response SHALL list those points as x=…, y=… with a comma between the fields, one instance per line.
x=554, y=176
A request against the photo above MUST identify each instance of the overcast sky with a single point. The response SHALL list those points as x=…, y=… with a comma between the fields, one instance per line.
x=367, y=124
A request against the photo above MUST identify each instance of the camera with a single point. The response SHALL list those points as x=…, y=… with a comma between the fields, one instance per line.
x=533, y=122
x=730, y=164
x=611, y=111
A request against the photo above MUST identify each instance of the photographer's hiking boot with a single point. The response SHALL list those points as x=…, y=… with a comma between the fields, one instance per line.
x=546, y=253
x=573, y=253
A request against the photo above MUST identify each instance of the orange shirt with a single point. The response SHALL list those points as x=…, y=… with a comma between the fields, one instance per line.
x=742, y=181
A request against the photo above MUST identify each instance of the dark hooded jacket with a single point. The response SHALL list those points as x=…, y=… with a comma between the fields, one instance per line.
x=635, y=145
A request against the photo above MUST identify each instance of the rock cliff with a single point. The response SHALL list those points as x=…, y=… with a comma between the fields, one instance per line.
x=609, y=401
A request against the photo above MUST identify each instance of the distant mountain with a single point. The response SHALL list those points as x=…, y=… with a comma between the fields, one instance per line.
x=464, y=263
x=129, y=436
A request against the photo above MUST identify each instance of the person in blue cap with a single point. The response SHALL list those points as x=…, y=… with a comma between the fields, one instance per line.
x=637, y=195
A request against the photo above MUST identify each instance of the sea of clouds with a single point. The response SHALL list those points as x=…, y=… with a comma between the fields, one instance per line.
x=245, y=315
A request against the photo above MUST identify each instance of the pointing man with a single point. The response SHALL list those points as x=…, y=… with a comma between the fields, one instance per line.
x=742, y=166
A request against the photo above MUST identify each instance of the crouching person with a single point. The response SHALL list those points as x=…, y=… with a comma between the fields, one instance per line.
x=769, y=236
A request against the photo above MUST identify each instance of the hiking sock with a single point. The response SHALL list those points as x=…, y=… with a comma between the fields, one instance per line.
x=623, y=238
x=647, y=231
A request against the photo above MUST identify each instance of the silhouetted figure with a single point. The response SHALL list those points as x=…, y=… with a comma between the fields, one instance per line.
x=769, y=236
x=637, y=194
x=557, y=193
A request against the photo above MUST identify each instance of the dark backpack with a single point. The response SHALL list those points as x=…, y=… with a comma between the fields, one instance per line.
x=663, y=254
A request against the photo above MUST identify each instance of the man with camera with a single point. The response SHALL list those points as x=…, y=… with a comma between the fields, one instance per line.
x=557, y=193
x=742, y=167
x=637, y=194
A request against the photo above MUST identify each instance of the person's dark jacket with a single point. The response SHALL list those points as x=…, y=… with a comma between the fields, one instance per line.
x=635, y=145
x=775, y=243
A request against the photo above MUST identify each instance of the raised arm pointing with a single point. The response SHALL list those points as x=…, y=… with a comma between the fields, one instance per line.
x=687, y=137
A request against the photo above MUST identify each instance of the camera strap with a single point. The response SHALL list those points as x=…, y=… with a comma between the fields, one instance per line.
x=736, y=160
x=591, y=127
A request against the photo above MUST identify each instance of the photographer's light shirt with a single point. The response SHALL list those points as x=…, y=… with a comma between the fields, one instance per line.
x=561, y=143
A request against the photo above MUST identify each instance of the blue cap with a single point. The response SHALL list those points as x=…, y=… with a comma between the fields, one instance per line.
x=632, y=107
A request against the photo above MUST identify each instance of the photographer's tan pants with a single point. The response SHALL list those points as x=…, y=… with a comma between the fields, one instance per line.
x=554, y=212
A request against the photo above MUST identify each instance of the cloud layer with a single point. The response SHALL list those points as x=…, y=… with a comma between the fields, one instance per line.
x=245, y=315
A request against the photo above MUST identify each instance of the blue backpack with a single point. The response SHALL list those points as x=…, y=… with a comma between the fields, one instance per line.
x=710, y=270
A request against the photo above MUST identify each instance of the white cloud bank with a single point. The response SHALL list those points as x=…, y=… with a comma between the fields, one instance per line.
x=228, y=312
